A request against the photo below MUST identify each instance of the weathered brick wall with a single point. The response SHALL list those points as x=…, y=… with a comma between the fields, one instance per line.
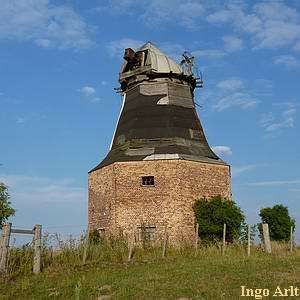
x=101, y=197
x=117, y=200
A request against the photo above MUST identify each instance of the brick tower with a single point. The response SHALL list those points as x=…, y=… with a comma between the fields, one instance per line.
x=159, y=160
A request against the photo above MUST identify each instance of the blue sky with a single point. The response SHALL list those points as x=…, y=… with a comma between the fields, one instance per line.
x=59, y=64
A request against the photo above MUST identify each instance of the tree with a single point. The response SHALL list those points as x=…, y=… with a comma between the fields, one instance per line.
x=279, y=221
x=212, y=213
x=5, y=209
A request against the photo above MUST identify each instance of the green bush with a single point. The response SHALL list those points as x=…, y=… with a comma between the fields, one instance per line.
x=5, y=209
x=212, y=213
x=279, y=221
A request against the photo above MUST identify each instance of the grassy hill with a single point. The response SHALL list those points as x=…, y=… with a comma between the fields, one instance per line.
x=181, y=274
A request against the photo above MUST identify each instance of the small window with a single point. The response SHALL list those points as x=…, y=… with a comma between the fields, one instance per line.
x=147, y=180
x=145, y=233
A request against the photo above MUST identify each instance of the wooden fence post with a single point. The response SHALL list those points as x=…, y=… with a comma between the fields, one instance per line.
x=131, y=243
x=1, y=243
x=249, y=240
x=86, y=246
x=266, y=236
x=4, y=246
x=224, y=239
x=197, y=237
x=165, y=239
x=37, y=249
x=291, y=240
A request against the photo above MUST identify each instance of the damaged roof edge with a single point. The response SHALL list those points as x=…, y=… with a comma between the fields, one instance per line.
x=155, y=157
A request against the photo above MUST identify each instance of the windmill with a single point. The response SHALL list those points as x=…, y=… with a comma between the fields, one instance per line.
x=147, y=182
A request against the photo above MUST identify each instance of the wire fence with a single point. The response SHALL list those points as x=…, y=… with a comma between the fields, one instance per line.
x=47, y=248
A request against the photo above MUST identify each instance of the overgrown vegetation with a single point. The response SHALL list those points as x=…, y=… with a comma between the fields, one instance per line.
x=204, y=274
x=279, y=221
x=77, y=269
x=5, y=206
x=212, y=213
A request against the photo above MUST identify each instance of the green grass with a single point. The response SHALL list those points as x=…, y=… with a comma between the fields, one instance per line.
x=206, y=275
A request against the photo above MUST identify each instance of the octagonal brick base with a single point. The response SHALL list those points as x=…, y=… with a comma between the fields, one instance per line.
x=119, y=202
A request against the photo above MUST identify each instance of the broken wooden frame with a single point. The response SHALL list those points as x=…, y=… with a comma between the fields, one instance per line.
x=4, y=245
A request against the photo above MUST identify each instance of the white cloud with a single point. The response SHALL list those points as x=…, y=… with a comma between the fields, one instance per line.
x=221, y=16
x=237, y=99
x=234, y=14
x=239, y=170
x=276, y=11
x=229, y=93
x=30, y=190
x=268, y=36
x=222, y=150
x=44, y=23
x=281, y=25
x=276, y=182
x=279, y=120
x=232, y=43
x=116, y=48
x=183, y=13
x=30, y=117
x=88, y=91
x=266, y=119
x=230, y=84
x=156, y=12
x=270, y=24
x=43, y=43
x=289, y=61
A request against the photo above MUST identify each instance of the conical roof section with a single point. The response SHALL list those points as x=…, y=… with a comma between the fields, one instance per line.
x=159, y=61
x=158, y=119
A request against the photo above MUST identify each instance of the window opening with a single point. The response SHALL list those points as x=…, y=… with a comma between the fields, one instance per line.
x=147, y=180
x=146, y=233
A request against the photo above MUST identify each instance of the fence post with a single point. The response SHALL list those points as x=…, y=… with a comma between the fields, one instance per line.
x=1, y=243
x=4, y=246
x=224, y=239
x=249, y=240
x=37, y=249
x=197, y=237
x=266, y=236
x=131, y=243
x=291, y=240
x=165, y=238
x=85, y=249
